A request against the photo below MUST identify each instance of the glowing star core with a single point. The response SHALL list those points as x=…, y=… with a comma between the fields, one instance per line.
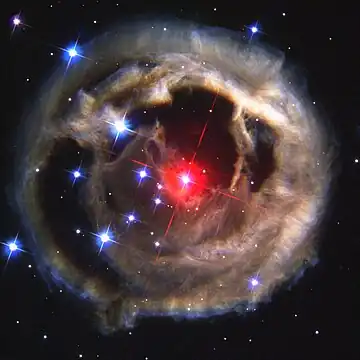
x=254, y=29
x=157, y=201
x=104, y=238
x=16, y=21
x=72, y=52
x=120, y=126
x=185, y=179
x=76, y=174
x=131, y=218
x=142, y=174
x=13, y=247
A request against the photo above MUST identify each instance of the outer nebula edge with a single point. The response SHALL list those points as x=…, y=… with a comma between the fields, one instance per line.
x=267, y=236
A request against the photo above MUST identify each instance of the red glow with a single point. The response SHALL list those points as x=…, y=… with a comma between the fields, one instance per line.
x=184, y=180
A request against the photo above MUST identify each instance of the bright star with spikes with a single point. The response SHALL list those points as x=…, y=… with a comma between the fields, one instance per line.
x=76, y=174
x=253, y=282
x=16, y=21
x=12, y=248
x=142, y=174
x=120, y=126
x=254, y=30
x=72, y=52
x=157, y=202
x=104, y=238
x=185, y=179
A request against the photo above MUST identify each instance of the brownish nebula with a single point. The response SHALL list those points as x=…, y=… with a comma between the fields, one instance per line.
x=258, y=221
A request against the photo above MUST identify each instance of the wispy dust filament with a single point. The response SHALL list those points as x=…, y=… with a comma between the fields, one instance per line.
x=269, y=234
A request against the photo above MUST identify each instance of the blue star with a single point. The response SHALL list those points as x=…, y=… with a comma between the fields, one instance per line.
x=104, y=238
x=12, y=248
x=72, y=53
x=254, y=30
x=142, y=175
x=76, y=174
x=254, y=282
x=118, y=126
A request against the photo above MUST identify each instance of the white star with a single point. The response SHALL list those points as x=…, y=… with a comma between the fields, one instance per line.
x=13, y=247
x=105, y=237
x=120, y=126
x=185, y=179
x=16, y=21
x=72, y=52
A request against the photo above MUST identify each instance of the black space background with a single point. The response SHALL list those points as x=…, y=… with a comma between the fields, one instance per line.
x=42, y=324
